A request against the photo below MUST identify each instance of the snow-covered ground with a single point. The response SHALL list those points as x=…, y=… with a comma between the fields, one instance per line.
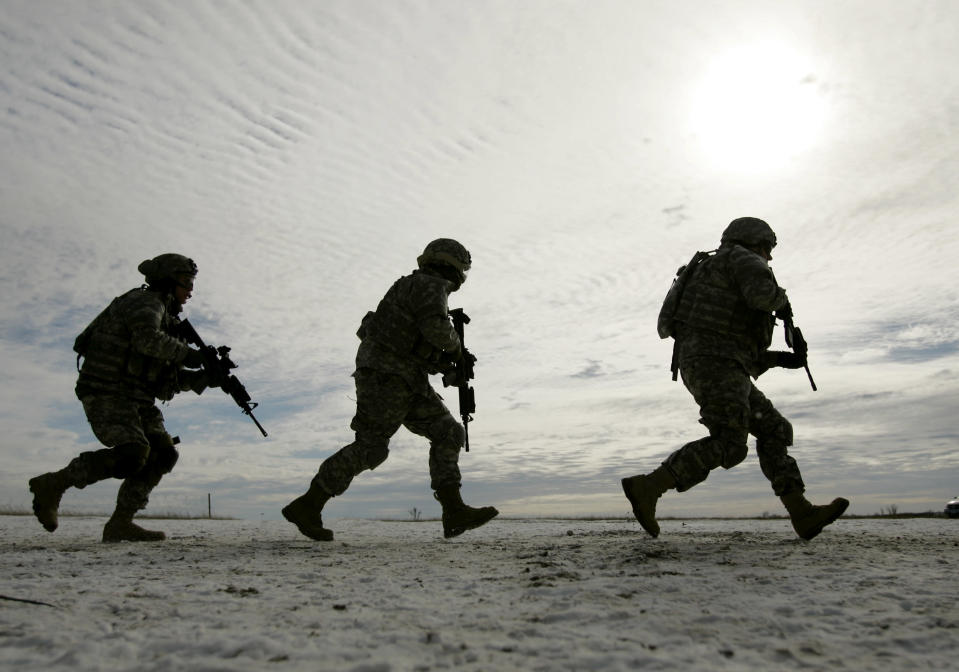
x=514, y=595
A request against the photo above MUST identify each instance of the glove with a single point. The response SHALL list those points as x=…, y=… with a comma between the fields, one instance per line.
x=194, y=359
x=454, y=375
x=785, y=313
x=790, y=360
x=198, y=384
x=453, y=378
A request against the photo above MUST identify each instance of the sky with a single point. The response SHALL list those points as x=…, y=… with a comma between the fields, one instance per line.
x=304, y=153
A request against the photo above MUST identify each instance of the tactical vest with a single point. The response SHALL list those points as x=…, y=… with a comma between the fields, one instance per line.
x=109, y=358
x=711, y=301
x=393, y=327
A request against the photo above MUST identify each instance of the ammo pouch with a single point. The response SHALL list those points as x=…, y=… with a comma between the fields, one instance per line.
x=160, y=376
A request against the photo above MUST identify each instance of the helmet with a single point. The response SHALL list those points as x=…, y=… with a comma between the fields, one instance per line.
x=167, y=267
x=751, y=232
x=447, y=252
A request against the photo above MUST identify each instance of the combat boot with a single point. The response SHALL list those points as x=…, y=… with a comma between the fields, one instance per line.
x=643, y=491
x=83, y=470
x=459, y=517
x=304, y=512
x=47, y=490
x=132, y=496
x=808, y=519
x=118, y=529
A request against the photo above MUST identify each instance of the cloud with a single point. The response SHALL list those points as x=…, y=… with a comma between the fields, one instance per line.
x=303, y=156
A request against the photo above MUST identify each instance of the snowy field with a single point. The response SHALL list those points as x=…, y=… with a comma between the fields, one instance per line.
x=515, y=595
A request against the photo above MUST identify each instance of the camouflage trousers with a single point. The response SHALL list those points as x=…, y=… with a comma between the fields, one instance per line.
x=140, y=451
x=384, y=402
x=732, y=408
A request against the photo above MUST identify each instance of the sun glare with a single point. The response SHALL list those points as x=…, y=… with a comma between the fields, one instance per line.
x=756, y=108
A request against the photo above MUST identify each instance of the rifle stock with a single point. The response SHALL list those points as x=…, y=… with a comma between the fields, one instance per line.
x=217, y=364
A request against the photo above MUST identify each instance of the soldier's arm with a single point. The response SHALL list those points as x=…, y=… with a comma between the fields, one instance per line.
x=432, y=318
x=148, y=338
x=756, y=281
x=197, y=380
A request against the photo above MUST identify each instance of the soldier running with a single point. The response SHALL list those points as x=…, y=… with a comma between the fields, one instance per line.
x=408, y=337
x=723, y=329
x=131, y=358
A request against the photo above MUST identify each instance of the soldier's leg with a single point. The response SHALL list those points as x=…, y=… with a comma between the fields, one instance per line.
x=381, y=404
x=134, y=493
x=115, y=422
x=774, y=434
x=721, y=388
x=429, y=417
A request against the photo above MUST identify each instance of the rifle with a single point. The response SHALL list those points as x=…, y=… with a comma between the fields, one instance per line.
x=462, y=374
x=795, y=340
x=217, y=364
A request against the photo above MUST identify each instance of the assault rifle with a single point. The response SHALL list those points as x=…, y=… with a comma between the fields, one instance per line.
x=462, y=374
x=217, y=364
x=795, y=340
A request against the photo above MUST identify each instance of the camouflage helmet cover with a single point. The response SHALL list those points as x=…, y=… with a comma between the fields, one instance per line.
x=749, y=231
x=167, y=267
x=446, y=252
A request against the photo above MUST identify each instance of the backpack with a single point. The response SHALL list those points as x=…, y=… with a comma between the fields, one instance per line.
x=82, y=342
x=665, y=325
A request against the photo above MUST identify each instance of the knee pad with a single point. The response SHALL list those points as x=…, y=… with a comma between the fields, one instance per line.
x=778, y=433
x=733, y=454
x=732, y=445
x=129, y=459
x=787, y=432
x=163, y=456
x=373, y=451
x=447, y=432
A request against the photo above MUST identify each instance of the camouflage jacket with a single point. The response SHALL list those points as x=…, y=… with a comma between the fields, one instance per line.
x=727, y=309
x=130, y=349
x=410, y=333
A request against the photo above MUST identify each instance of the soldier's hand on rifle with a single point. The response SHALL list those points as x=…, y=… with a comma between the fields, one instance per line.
x=789, y=360
x=197, y=380
x=210, y=380
x=455, y=376
x=447, y=362
x=194, y=359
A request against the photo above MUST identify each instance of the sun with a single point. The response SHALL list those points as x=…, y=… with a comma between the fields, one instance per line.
x=756, y=108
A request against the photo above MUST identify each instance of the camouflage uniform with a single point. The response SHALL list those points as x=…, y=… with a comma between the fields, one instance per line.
x=723, y=326
x=408, y=337
x=131, y=358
